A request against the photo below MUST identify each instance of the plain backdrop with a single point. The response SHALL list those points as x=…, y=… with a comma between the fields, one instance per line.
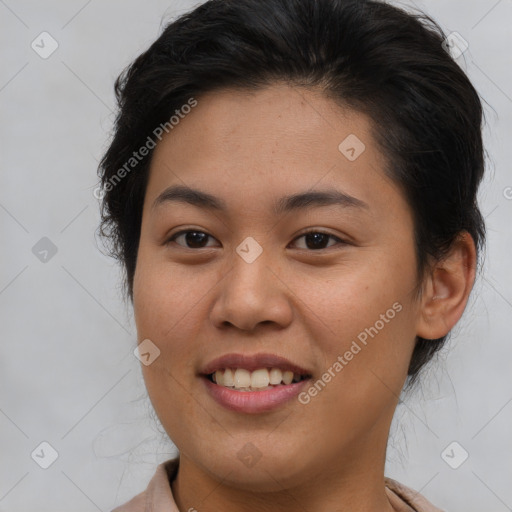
x=68, y=376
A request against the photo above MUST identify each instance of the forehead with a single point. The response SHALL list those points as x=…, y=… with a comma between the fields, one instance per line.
x=274, y=119
x=277, y=140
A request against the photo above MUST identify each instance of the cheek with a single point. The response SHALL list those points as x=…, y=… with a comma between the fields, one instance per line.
x=353, y=296
x=368, y=319
x=170, y=306
x=164, y=304
x=163, y=297
x=365, y=355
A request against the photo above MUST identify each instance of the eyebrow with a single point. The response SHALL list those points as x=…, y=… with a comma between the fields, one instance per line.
x=303, y=200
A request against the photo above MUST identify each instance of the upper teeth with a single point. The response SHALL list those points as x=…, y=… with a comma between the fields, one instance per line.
x=243, y=379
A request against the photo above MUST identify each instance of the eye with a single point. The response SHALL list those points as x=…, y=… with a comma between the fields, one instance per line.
x=316, y=240
x=194, y=239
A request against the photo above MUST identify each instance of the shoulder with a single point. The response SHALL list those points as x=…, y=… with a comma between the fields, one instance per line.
x=405, y=499
x=158, y=494
x=136, y=504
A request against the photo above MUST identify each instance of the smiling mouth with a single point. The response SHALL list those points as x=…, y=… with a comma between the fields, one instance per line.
x=240, y=379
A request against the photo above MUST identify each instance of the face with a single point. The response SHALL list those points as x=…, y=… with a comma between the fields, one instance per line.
x=271, y=278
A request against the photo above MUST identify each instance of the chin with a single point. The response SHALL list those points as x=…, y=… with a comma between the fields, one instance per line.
x=250, y=469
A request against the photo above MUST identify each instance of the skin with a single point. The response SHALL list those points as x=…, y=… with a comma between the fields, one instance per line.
x=294, y=300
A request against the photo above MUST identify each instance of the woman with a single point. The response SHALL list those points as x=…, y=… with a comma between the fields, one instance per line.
x=291, y=189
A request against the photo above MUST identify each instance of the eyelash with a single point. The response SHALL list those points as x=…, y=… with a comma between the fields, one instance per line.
x=313, y=231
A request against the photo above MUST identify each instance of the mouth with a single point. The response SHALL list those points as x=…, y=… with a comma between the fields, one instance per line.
x=253, y=384
x=240, y=379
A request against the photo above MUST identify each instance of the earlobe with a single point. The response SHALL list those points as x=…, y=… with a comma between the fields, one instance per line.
x=447, y=289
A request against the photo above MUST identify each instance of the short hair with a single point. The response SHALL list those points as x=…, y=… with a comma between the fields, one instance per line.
x=366, y=55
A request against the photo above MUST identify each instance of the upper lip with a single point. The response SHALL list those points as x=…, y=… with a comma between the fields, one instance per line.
x=252, y=362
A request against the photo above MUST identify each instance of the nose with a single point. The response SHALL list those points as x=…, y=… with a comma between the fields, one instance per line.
x=251, y=294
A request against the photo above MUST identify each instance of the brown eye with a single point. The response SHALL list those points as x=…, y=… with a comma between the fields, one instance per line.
x=193, y=239
x=314, y=240
x=317, y=240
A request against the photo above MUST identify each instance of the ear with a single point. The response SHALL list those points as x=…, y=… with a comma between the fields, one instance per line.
x=447, y=288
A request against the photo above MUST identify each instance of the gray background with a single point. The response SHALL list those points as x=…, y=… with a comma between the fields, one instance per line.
x=68, y=375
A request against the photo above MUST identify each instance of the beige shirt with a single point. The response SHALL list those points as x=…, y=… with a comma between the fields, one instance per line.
x=158, y=495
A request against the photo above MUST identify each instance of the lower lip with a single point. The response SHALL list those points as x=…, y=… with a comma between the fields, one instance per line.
x=254, y=402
